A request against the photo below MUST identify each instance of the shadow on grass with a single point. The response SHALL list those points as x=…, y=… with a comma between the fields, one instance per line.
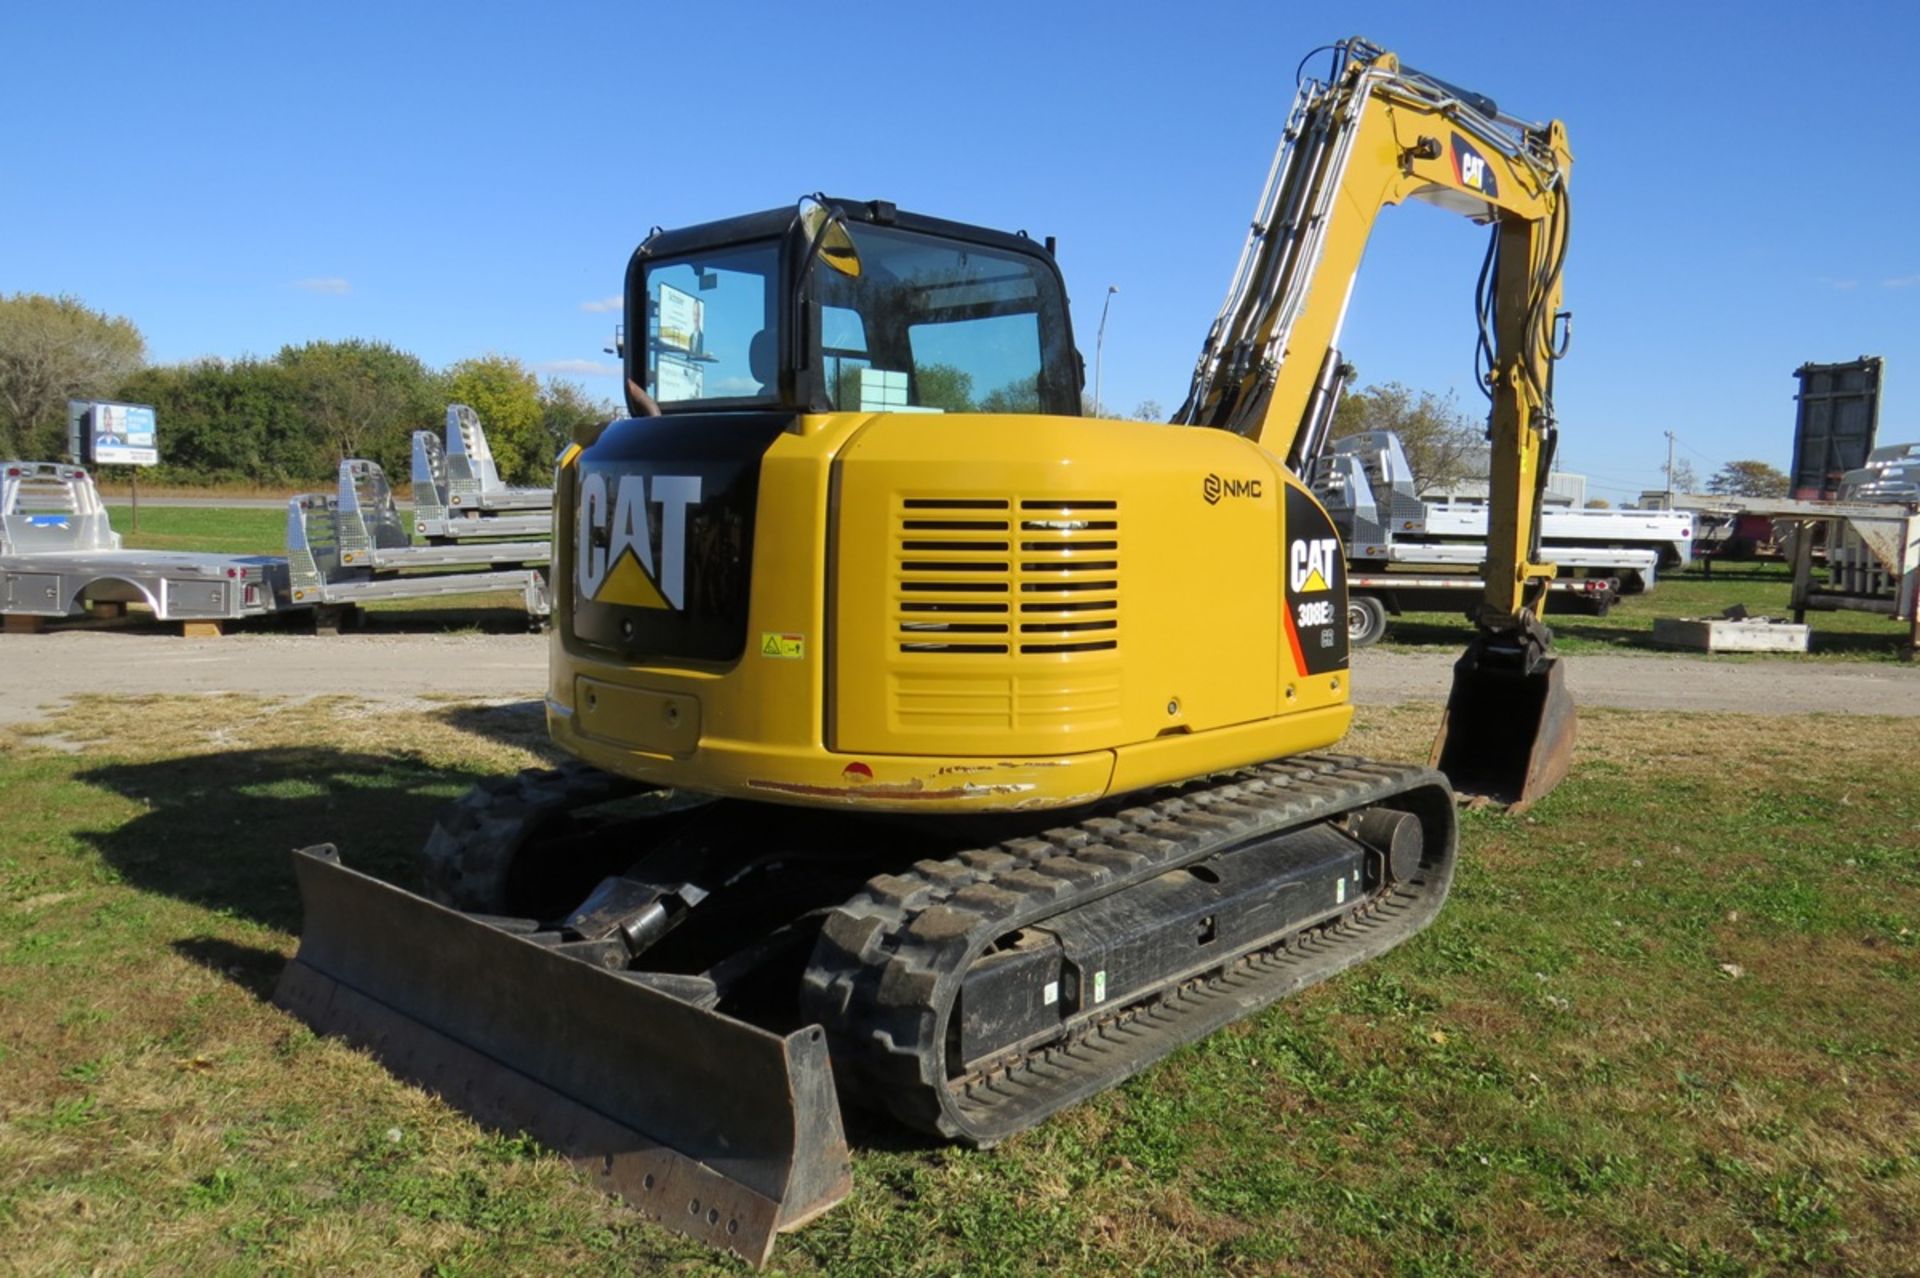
x=522, y=724
x=395, y=619
x=404, y=619
x=254, y=968
x=219, y=828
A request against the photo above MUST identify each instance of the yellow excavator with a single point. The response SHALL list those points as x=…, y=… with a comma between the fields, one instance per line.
x=938, y=749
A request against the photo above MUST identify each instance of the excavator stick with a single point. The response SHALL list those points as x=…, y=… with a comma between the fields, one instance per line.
x=714, y=1128
x=1507, y=734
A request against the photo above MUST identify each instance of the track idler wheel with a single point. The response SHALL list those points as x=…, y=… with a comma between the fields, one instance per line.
x=1396, y=836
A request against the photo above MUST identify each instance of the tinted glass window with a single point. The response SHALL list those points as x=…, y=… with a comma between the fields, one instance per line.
x=711, y=325
x=843, y=352
x=932, y=325
x=1005, y=348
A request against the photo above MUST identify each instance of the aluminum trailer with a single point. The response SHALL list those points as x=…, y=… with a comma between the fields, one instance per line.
x=1668, y=533
x=457, y=490
x=350, y=547
x=59, y=557
x=371, y=534
x=1890, y=477
x=1633, y=571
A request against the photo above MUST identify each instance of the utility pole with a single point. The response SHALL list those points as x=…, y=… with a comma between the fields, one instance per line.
x=1669, y=470
x=1100, y=340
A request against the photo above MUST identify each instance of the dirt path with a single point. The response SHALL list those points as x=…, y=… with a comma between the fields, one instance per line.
x=37, y=671
x=1673, y=682
x=41, y=670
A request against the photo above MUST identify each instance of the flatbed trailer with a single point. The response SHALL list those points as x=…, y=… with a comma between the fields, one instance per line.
x=324, y=577
x=1668, y=533
x=201, y=591
x=1367, y=486
x=1632, y=571
x=372, y=534
x=1374, y=597
x=59, y=557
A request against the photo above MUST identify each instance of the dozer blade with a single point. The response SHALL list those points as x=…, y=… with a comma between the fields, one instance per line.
x=715, y=1128
x=1507, y=734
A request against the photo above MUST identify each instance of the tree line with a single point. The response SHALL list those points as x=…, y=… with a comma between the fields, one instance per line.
x=277, y=421
x=1444, y=445
x=288, y=419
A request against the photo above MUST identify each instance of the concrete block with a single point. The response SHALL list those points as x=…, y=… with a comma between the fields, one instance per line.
x=1720, y=634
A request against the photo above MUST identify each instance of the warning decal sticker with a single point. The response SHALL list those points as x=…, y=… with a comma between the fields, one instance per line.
x=786, y=647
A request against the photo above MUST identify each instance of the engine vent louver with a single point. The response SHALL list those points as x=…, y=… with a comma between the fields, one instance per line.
x=1002, y=575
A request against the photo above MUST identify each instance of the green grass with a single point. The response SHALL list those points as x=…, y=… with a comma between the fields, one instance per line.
x=1562, y=1076
x=239, y=530
x=1764, y=590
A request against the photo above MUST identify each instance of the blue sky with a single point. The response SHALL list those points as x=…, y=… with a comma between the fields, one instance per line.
x=458, y=179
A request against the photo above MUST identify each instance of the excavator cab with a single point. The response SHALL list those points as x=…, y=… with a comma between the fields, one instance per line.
x=847, y=306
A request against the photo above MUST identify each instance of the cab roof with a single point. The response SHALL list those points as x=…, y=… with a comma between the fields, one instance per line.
x=771, y=223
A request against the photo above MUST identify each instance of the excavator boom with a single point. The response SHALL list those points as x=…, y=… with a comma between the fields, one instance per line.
x=1373, y=135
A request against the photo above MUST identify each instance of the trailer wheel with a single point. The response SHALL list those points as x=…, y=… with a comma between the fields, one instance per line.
x=1366, y=621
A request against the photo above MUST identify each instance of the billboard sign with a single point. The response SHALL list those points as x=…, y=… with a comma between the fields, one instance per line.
x=114, y=434
x=1836, y=425
x=679, y=345
x=682, y=317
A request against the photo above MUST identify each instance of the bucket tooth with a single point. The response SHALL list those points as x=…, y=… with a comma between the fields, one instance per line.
x=715, y=1128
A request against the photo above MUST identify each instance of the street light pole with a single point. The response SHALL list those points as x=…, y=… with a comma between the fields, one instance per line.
x=1099, y=340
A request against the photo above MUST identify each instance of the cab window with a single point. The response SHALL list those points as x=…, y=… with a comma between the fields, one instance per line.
x=712, y=325
x=934, y=325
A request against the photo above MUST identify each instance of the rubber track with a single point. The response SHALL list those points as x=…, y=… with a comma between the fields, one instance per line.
x=475, y=839
x=887, y=969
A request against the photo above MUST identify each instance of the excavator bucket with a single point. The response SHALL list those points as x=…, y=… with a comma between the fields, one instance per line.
x=1507, y=735
x=715, y=1128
